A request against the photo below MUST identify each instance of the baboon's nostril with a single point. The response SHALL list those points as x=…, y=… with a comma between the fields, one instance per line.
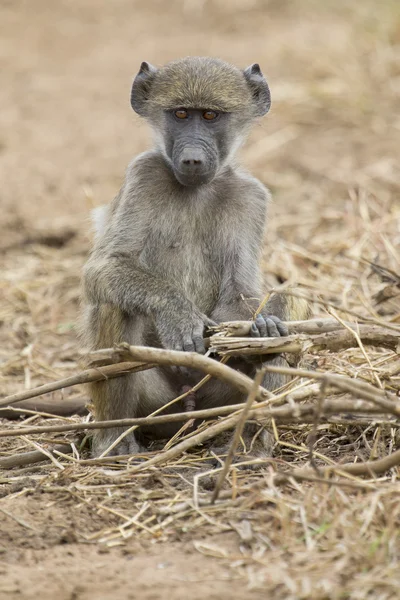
x=192, y=162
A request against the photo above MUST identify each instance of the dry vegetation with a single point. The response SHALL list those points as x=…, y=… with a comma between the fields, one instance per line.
x=77, y=529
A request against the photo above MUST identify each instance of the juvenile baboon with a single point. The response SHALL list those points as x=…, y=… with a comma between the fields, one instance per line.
x=179, y=247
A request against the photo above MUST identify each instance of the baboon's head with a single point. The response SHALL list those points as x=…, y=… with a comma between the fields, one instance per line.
x=200, y=109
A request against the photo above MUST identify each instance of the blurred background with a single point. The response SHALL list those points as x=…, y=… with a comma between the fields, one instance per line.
x=328, y=149
x=67, y=130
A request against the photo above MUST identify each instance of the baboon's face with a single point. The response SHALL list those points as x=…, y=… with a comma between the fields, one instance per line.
x=200, y=110
x=196, y=141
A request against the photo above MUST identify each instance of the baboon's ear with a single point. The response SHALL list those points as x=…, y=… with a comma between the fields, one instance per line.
x=259, y=89
x=141, y=87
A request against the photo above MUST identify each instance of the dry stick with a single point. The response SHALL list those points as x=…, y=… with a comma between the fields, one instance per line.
x=370, y=335
x=357, y=337
x=317, y=418
x=209, y=433
x=139, y=421
x=333, y=341
x=366, y=391
x=373, y=467
x=262, y=410
x=238, y=432
x=232, y=346
x=348, y=311
x=364, y=421
x=221, y=371
x=293, y=416
x=28, y=458
x=345, y=482
x=362, y=389
x=311, y=327
x=51, y=407
x=196, y=361
x=285, y=415
x=45, y=452
x=117, y=369
x=238, y=329
x=93, y=374
x=244, y=383
x=295, y=396
x=199, y=438
x=190, y=390
x=35, y=413
x=188, y=359
x=167, y=357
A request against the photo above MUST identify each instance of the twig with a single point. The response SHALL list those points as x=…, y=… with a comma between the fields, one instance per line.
x=339, y=339
x=195, y=440
x=366, y=391
x=236, y=436
x=281, y=414
x=325, y=303
x=196, y=361
x=296, y=415
x=145, y=360
x=46, y=406
x=209, y=413
x=310, y=327
x=373, y=467
x=357, y=485
x=93, y=374
x=241, y=346
x=357, y=337
x=362, y=422
x=29, y=458
x=332, y=340
x=313, y=434
x=45, y=452
x=185, y=393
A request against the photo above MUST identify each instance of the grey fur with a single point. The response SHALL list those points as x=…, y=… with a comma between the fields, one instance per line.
x=168, y=260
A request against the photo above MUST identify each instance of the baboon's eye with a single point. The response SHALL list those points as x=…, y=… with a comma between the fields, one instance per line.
x=210, y=115
x=181, y=113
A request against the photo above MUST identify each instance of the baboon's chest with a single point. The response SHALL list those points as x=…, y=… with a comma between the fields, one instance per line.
x=187, y=257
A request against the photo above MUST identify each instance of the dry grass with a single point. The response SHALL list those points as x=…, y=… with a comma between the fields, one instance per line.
x=329, y=153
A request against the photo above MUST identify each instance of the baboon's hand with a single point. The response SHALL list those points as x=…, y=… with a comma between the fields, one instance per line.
x=183, y=329
x=268, y=326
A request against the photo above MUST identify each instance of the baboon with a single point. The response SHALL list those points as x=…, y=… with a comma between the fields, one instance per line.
x=179, y=248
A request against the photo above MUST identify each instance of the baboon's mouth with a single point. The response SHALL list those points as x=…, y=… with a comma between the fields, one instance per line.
x=193, y=179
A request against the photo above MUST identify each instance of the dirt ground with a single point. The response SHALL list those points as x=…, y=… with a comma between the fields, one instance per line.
x=329, y=153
